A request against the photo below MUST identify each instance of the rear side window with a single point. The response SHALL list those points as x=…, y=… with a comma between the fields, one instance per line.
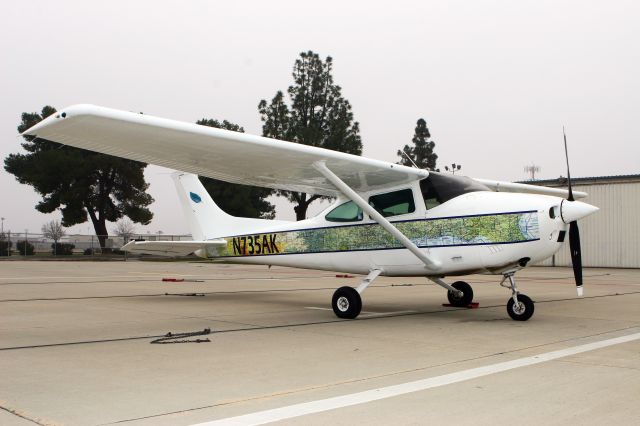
x=393, y=203
x=347, y=212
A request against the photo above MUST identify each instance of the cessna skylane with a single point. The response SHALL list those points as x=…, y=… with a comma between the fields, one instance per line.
x=386, y=220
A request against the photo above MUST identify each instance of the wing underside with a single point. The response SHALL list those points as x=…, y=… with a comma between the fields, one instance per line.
x=232, y=156
x=220, y=154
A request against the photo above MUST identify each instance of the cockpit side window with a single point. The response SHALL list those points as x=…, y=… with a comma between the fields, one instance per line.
x=393, y=203
x=346, y=212
x=431, y=197
x=440, y=188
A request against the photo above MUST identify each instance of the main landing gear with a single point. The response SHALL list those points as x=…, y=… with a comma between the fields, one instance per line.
x=463, y=297
x=460, y=294
x=347, y=302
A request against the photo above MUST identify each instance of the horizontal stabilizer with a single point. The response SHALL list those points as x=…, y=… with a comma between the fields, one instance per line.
x=171, y=248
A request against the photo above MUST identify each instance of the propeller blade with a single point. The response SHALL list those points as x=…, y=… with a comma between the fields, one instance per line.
x=574, y=232
x=576, y=256
x=566, y=155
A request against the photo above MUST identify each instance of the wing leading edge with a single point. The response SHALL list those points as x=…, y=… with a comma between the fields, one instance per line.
x=220, y=154
x=232, y=156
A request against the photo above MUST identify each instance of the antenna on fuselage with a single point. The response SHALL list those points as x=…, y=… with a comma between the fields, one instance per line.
x=409, y=158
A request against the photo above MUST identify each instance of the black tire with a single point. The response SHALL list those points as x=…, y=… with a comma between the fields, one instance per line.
x=460, y=301
x=524, y=311
x=346, y=303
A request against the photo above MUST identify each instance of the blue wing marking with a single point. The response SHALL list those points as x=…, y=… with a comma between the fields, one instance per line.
x=195, y=197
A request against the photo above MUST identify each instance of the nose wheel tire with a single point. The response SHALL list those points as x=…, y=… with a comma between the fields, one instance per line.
x=521, y=311
x=463, y=300
x=346, y=303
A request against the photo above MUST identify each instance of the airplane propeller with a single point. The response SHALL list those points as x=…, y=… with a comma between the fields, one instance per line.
x=574, y=232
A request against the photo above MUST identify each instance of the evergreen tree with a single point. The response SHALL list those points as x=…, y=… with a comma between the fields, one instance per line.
x=235, y=199
x=421, y=153
x=82, y=184
x=317, y=115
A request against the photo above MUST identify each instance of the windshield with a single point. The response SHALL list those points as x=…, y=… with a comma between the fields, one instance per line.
x=346, y=212
x=439, y=188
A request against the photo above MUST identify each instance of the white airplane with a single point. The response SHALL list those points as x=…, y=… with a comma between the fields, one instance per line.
x=387, y=219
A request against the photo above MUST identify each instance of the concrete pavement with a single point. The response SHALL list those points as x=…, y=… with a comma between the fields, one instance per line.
x=75, y=346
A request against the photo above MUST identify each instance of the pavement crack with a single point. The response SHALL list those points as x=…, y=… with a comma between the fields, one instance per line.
x=596, y=364
x=21, y=415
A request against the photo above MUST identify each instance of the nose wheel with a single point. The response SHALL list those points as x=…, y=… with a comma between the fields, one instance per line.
x=520, y=307
x=521, y=310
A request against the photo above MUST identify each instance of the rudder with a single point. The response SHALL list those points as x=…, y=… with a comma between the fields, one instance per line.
x=206, y=220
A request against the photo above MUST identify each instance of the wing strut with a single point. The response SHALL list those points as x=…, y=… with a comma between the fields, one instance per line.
x=430, y=263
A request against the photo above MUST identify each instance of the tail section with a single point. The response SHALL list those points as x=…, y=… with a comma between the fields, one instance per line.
x=206, y=220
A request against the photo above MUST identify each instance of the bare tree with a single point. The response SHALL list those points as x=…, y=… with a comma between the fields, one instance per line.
x=53, y=230
x=125, y=229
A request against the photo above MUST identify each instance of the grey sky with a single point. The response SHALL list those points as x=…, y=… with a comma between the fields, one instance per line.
x=495, y=80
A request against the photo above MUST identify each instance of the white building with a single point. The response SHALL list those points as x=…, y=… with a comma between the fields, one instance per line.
x=610, y=237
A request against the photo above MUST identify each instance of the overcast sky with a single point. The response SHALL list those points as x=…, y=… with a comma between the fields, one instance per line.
x=495, y=80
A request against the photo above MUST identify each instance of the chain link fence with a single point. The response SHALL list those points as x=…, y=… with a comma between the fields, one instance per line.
x=27, y=244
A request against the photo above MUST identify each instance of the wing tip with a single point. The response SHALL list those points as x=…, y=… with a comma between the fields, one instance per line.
x=70, y=111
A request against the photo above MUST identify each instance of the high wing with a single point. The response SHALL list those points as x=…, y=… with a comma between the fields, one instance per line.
x=500, y=186
x=220, y=154
x=171, y=248
x=232, y=156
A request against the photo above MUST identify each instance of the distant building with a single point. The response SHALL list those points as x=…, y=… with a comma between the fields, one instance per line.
x=611, y=237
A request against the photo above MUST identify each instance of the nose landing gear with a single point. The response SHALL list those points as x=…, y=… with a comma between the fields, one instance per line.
x=520, y=306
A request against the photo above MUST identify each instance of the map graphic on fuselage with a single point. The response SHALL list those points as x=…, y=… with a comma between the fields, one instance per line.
x=503, y=228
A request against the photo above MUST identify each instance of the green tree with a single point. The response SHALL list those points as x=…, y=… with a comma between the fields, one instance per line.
x=82, y=184
x=235, y=199
x=421, y=153
x=5, y=245
x=318, y=115
x=25, y=248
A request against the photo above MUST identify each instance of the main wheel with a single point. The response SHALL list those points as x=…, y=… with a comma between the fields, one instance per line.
x=346, y=303
x=521, y=311
x=465, y=299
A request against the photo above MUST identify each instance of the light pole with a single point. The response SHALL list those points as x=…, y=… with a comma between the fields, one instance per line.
x=454, y=168
x=2, y=226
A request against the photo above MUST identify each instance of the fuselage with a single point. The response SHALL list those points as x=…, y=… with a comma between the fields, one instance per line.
x=476, y=231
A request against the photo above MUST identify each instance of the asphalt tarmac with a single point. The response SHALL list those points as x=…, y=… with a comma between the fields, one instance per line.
x=76, y=348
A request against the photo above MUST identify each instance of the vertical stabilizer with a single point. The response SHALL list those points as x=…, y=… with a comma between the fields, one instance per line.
x=206, y=220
